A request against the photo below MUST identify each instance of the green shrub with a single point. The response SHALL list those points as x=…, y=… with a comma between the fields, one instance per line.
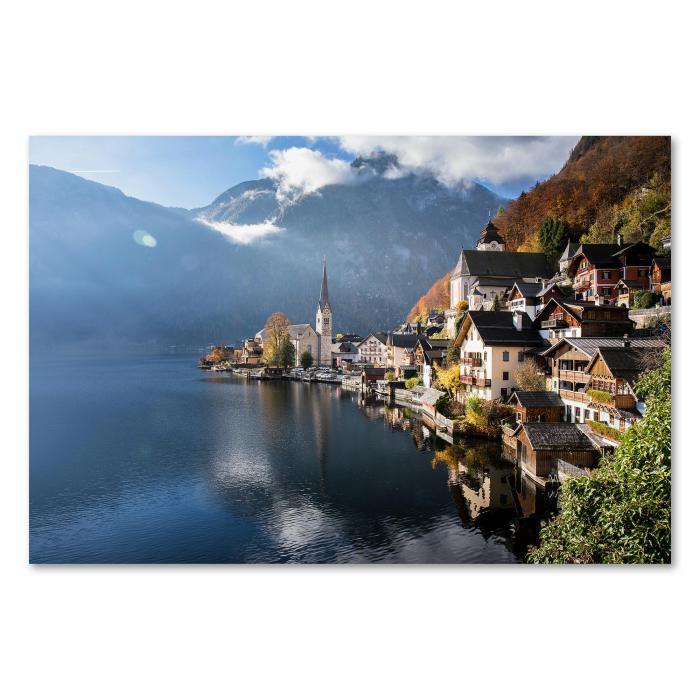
x=600, y=396
x=605, y=429
x=413, y=381
x=389, y=376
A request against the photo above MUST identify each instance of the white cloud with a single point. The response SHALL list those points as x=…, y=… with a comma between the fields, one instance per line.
x=259, y=140
x=456, y=159
x=243, y=233
x=300, y=171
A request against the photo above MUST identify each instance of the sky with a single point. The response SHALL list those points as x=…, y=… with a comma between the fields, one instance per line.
x=191, y=171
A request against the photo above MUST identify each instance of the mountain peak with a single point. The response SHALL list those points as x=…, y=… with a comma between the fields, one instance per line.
x=377, y=161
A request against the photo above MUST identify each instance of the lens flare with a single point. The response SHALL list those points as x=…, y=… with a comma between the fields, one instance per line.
x=145, y=239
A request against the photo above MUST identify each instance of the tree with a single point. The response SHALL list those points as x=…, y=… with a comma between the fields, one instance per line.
x=552, y=236
x=496, y=304
x=306, y=359
x=278, y=350
x=389, y=376
x=528, y=377
x=452, y=353
x=461, y=305
x=643, y=299
x=448, y=379
x=622, y=512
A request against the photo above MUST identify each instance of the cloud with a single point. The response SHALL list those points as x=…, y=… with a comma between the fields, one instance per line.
x=461, y=159
x=300, y=171
x=259, y=140
x=243, y=233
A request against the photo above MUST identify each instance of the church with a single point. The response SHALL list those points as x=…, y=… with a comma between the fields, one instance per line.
x=303, y=336
x=485, y=274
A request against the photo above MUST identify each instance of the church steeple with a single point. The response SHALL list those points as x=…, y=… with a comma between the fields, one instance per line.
x=324, y=323
x=323, y=300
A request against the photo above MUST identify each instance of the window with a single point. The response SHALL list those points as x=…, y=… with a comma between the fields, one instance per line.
x=605, y=291
x=519, y=416
x=605, y=275
x=521, y=356
x=504, y=392
x=485, y=356
x=642, y=273
x=506, y=356
x=505, y=375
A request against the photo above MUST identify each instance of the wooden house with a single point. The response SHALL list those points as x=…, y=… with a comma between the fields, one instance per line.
x=625, y=290
x=561, y=318
x=541, y=445
x=661, y=278
x=596, y=268
x=613, y=372
x=537, y=406
x=567, y=366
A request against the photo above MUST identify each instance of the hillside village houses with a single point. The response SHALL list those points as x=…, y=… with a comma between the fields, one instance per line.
x=574, y=325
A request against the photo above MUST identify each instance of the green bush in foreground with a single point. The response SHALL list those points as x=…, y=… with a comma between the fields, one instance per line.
x=413, y=381
x=621, y=514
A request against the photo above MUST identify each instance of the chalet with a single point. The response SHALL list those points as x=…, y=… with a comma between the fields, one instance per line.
x=625, y=290
x=613, y=372
x=567, y=362
x=561, y=318
x=399, y=349
x=541, y=445
x=493, y=345
x=370, y=376
x=523, y=297
x=596, y=268
x=372, y=349
x=537, y=406
x=661, y=278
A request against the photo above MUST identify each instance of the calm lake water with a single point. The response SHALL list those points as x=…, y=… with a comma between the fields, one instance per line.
x=152, y=460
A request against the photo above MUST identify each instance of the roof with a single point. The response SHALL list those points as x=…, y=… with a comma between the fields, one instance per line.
x=568, y=252
x=403, y=340
x=430, y=396
x=490, y=233
x=347, y=347
x=599, y=254
x=493, y=282
x=323, y=296
x=295, y=330
x=589, y=346
x=496, y=328
x=379, y=335
x=493, y=263
x=575, y=309
x=625, y=363
x=439, y=343
x=630, y=284
x=556, y=436
x=548, y=287
x=536, y=399
x=528, y=289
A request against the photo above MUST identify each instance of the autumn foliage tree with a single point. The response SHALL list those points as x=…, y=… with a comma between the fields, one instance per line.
x=528, y=377
x=279, y=351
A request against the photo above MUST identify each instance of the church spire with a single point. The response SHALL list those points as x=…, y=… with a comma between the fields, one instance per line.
x=323, y=298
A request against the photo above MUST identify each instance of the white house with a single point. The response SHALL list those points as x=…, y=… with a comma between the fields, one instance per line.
x=493, y=345
x=372, y=349
x=304, y=338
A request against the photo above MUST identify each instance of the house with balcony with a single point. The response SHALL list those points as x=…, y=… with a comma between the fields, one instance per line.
x=493, y=345
x=596, y=268
x=531, y=297
x=564, y=318
x=661, y=278
x=372, y=349
x=567, y=368
x=400, y=351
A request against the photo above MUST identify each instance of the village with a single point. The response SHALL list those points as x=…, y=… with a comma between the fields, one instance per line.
x=544, y=360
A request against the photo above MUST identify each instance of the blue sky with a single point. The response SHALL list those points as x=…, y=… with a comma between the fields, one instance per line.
x=190, y=171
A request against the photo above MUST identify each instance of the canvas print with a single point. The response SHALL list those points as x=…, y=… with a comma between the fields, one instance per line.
x=350, y=349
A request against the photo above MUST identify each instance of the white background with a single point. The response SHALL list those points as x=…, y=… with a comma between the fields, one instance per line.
x=346, y=67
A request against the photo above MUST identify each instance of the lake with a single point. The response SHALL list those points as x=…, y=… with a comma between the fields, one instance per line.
x=149, y=459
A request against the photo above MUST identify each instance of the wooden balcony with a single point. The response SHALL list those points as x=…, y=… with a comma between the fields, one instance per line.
x=579, y=396
x=554, y=323
x=573, y=376
x=623, y=401
x=474, y=381
x=472, y=361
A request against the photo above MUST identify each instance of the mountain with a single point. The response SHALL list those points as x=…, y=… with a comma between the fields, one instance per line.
x=111, y=270
x=610, y=185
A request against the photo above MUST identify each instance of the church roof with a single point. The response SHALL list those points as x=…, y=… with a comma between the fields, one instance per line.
x=323, y=297
x=490, y=233
x=492, y=263
x=569, y=251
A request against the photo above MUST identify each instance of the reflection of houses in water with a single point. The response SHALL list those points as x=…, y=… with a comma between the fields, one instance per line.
x=485, y=489
x=397, y=418
x=532, y=498
x=371, y=407
x=321, y=407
